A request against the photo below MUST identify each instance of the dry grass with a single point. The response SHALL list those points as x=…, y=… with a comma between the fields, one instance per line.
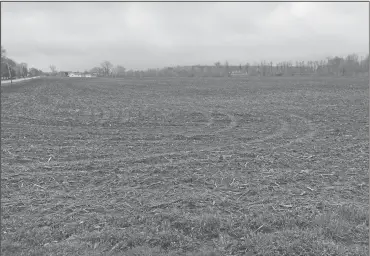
x=185, y=167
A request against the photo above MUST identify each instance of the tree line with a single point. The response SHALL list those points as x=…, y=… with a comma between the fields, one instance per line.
x=350, y=65
x=10, y=69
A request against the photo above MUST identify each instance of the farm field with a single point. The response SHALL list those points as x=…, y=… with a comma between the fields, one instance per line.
x=185, y=166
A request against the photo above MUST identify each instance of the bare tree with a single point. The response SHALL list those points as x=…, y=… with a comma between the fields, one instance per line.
x=263, y=68
x=226, y=69
x=365, y=64
x=18, y=71
x=8, y=63
x=24, y=69
x=247, y=68
x=217, y=69
x=97, y=71
x=35, y=72
x=272, y=68
x=53, y=69
x=107, y=67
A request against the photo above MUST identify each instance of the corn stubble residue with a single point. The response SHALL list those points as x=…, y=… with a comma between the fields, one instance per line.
x=185, y=167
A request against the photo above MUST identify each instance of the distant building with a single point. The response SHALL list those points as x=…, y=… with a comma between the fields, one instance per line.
x=74, y=74
x=238, y=73
x=78, y=74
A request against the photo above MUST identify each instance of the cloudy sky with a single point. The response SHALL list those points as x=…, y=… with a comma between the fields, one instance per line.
x=79, y=36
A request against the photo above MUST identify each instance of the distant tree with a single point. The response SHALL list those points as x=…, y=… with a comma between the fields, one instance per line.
x=35, y=72
x=226, y=69
x=334, y=64
x=97, y=71
x=130, y=73
x=6, y=67
x=271, y=71
x=11, y=67
x=217, y=69
x=3, y=55
x=53, y=69
x=352, y=65
x=107, y=67
x=24, y=69
x=137, y=74
x=120, y=71
x=365, y=64
x=18, y=71
x=247, y=68
x=263, y=68
x=311, y=66
x=337, y=65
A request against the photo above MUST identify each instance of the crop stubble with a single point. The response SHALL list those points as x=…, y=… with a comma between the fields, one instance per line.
x=216, y=146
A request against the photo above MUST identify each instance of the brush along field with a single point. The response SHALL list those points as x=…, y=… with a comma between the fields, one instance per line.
x=185, y=166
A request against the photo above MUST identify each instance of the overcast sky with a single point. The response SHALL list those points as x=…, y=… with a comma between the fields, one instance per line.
x=79, y=36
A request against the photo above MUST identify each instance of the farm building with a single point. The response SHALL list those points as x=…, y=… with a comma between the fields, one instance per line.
x=75, y=74
x=78, y=74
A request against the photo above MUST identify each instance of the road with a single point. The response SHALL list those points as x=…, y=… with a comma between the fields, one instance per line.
x=18, y=80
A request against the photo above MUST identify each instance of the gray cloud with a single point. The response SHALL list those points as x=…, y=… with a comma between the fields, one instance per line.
x=78, y=36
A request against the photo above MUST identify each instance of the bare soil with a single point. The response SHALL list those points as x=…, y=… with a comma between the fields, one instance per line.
x=185, y=166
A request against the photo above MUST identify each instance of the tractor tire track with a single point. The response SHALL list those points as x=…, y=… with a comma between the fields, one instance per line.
x=100, y=116
x=186, y=153
x=233, y=124
x=284, y=128
x=309, y=135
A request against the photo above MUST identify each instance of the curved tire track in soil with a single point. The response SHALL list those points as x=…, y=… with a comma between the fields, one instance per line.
x=211, y=121
x=99, y=116
x=233, y=123
x=306, y=136
x=284, y=128
x=102, y=115
x=162, y=157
